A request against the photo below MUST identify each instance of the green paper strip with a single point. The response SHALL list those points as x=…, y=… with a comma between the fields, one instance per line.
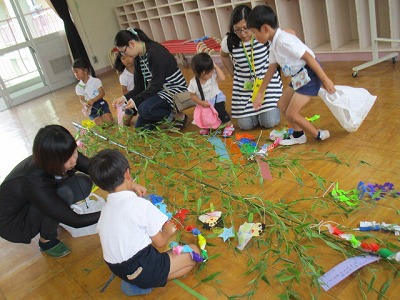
x=188, y=289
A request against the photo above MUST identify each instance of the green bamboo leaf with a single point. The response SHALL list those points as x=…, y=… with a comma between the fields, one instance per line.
x=299, y=181
x=250, y=218
x=285, y=278
x=365, y=162
x=371, y=284
x=211, y=277
x=265, y=279
x=384, y=288
x=199, y=202
x=333, y=246
x=214, y=256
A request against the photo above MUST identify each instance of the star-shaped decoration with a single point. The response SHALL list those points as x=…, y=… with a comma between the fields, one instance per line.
x=227, y=233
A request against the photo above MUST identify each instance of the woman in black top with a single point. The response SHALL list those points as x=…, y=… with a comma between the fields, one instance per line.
x=157, y=78
x=36, y=196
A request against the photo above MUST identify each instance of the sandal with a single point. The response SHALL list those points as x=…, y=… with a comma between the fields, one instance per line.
x=180, y=124
x=204, y=131
x=228, y=131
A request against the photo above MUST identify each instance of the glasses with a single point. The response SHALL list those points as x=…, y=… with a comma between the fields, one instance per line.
x=123, y=52
x=240, y=30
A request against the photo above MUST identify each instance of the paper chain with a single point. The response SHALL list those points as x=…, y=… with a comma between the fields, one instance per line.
x=372, y=248
x=374, y=226
x=179, y=219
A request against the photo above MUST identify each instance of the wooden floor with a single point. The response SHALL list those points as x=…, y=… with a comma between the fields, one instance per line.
x=370, y=154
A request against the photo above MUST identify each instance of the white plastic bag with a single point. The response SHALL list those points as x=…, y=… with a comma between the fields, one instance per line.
x=86, y=206
x=349, y=105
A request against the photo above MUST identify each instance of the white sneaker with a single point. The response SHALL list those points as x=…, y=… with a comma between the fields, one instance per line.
x=324, y=134
x=293, y=141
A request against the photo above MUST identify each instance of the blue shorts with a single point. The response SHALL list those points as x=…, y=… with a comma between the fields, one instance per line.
x=155, y=266
x=311, y=88
x=99, y=108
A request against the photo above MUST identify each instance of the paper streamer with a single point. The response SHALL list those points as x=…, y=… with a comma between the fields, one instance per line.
x=264, y=168
x=344, y=269
x=219, y=147
x=120, y=115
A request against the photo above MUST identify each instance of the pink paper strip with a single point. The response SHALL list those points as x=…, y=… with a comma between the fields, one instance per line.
x=264, y=168
x=120, y=115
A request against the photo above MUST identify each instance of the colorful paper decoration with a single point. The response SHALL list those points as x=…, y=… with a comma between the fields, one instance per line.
x=211, y=219
x=370, y=248
x=313, y=118
x=247, y=231
x=227, y=233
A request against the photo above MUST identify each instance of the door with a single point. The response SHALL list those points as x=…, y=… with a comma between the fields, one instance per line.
x=24, y=25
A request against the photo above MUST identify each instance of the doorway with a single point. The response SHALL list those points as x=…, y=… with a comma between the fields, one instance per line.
x=34, y=55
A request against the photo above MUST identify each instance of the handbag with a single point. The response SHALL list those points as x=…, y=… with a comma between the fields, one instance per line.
x=93, y=203
x=349, y=105
x=182, y=100
x=205, y=117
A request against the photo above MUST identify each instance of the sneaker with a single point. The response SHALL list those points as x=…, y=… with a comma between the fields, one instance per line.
x=58, y=250
x=130, y=289
x=293, y=141
x=323, y=134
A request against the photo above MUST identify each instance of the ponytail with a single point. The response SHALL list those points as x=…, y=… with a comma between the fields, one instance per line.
x=123, y=37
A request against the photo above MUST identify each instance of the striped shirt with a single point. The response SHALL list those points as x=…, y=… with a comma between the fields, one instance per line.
x=157, y=72
x=242, y=106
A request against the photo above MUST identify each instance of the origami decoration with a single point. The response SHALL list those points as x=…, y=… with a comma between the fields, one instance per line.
x=247, y=231
x=179, y=219
x=211, y=220
x=376, y=191
x=227, y=233
x=374, y=226
x=313, y=118
x=244, y=235
x=366, y=247
x=282, y=134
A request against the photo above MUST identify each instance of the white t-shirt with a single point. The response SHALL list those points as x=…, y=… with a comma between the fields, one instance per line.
x=89, y=90
x=126, y=224
x=126, y=79
x=210, y=88
x=286, y=50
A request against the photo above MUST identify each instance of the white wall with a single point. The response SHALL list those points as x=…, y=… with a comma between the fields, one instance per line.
x=97, y=25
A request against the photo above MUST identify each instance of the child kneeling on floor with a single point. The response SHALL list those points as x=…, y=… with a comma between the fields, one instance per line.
x=204, y=91
x=130, y=229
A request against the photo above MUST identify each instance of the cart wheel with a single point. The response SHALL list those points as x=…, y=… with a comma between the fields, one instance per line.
x=355, y=73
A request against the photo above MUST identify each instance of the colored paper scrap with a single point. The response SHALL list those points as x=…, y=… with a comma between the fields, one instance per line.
x=219, y=147
x=120, y=114
x=264, y=168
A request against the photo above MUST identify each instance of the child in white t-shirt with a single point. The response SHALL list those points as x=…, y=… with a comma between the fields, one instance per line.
x=208, y=75
x=91, y=92
x=297, y=61
x=130, y=229
x=125, y=68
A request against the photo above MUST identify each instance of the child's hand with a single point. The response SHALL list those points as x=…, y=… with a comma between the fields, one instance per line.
x=258, y=102
x=169, y=228
x=205, y=104
x=118, y=102
x=329, y=86
x=139, y=189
